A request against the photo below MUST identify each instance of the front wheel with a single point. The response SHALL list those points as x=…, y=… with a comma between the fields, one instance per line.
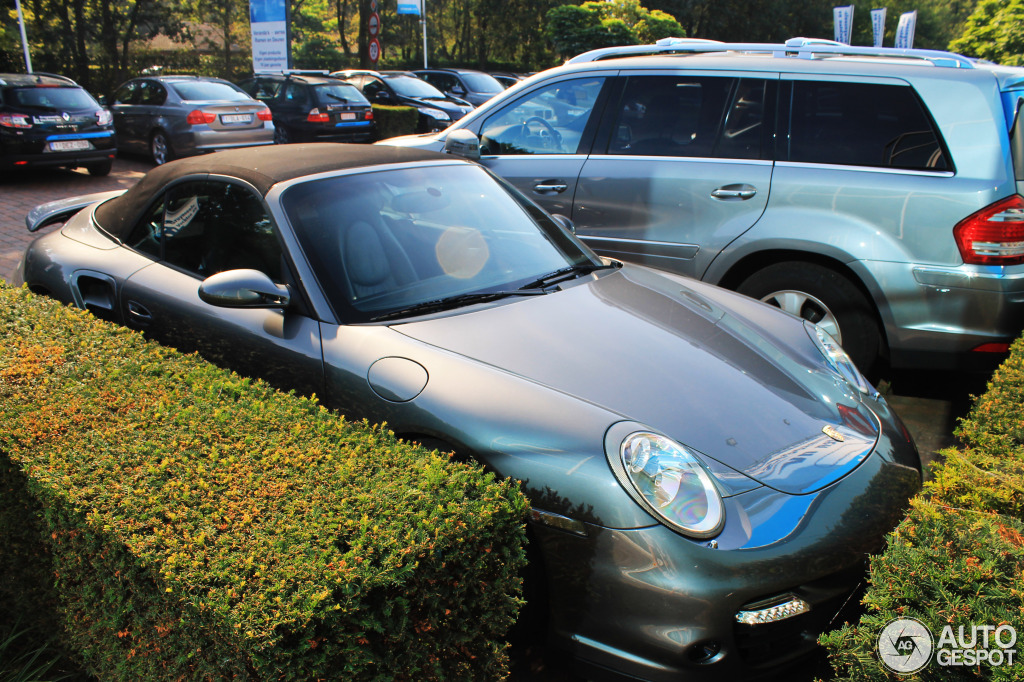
x=160, y=148
x=826, y=298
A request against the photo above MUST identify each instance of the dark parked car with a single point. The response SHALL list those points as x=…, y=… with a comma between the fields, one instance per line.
x=170, y=116
x=437, y=110
x=707, y=474
x=313, y=107
x=48, y=120
x=476, y=87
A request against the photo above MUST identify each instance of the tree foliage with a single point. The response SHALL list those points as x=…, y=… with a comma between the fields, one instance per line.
x=574, y=29
x=995, y=31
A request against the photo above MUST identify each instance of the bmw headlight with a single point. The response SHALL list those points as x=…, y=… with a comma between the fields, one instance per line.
x=669, y=482
x=435, y=114
x=838, y=360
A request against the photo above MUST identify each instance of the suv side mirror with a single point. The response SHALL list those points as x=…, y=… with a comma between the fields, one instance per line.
x=383, y=97
x=458, y=90
x=564, y=222
x=101, y=100
x=463, y=143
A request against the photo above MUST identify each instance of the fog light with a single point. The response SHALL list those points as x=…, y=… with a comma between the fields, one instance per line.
x=792, y=606
x=704, y=652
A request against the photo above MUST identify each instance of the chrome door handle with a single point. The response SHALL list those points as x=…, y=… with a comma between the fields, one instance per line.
x=557, y=188
x=138, y=313
x=734, y=192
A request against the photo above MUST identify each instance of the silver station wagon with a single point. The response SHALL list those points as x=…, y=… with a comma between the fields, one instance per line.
x=871, y=191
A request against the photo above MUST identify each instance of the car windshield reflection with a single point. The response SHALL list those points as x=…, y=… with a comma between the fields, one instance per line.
x=386, y=242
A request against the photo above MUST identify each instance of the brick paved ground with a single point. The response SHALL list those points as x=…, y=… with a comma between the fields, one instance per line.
x=22, y=190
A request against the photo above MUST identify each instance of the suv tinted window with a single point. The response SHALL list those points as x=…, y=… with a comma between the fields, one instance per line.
x=862, y=124
x=691, y=116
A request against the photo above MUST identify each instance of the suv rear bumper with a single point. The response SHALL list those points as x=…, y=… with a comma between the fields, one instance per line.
x=937, y=316
x=19, y=153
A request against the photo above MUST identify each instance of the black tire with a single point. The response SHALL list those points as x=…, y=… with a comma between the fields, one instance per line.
x=160, y=150
x=281, y=135
x=826, y=298
x=100, y=168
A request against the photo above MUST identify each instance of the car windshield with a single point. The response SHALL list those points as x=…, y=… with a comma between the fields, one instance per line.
x=408, y=86
x=339, y=93
x=386, y=241
x=51, y=99
x=481, y=82
x=207, y=90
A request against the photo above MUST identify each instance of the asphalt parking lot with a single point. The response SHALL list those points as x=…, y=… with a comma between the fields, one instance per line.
x=929, y=403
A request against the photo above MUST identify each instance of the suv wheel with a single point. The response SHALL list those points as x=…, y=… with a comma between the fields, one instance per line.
x=100, y=169
x=281, y=135
x=160, y=149
x=826, y=298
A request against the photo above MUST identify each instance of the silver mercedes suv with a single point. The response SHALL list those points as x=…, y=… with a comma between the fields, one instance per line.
x=873, y=191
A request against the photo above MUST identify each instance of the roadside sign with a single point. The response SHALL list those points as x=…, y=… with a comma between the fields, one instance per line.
x=374, y=50
x=373, y=25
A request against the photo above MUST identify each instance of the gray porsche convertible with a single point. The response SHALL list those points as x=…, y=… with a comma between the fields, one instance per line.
x=707, y=474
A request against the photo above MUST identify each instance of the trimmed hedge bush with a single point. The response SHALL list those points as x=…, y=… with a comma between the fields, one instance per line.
x=958, y=558
x=392, y=121
x=199, y=525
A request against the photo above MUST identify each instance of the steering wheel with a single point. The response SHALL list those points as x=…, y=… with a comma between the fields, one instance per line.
x=548, y=136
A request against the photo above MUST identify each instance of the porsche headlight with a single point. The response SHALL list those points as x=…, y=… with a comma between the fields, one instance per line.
x=838, y=360
x=671, y=483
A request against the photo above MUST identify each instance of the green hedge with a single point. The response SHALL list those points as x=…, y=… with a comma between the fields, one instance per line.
x=958, y=558
x=197, y=525
x=393, y=121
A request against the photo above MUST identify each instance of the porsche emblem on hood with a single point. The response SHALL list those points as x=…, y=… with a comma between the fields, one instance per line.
x=832, y=433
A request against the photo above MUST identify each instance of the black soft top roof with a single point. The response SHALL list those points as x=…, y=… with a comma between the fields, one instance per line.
x=262, y=167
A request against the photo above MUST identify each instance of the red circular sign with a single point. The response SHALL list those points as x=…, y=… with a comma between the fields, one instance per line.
x=374, y=50
x=373, y=25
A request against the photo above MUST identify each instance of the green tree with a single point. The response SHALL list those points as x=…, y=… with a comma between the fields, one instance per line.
x=995, y=31
x=574, y=29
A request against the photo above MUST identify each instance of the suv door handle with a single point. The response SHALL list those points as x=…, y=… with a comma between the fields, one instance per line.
x=550, y=186
x=733, y=192
x=138, y=314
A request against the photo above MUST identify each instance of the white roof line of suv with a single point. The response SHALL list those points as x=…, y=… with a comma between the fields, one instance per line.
x=804, y=48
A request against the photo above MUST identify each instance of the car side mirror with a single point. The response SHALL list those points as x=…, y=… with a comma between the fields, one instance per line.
x=382, y=96
x=563, y=222
x=243, y=289
x=101, y=100
x=458, y=90
x=463, y=143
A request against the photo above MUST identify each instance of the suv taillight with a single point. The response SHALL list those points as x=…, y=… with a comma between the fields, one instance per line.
x=104, y=117
x=15, y=121
x=368, y=116
x=197, y=117
x=316, y=117
x=994, y=235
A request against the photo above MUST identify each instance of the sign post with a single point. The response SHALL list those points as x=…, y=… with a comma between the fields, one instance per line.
x=268, y=20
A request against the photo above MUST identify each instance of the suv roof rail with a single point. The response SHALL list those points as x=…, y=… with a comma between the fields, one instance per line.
x=803, y=48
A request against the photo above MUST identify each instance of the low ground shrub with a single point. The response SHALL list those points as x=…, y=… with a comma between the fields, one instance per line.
x=193, y=524
x=957, y=560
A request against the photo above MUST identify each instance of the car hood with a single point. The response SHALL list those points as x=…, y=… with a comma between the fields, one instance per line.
x=660, y=353
x=454, y=109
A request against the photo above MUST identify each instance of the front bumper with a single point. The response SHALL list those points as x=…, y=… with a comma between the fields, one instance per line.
x=650, y=604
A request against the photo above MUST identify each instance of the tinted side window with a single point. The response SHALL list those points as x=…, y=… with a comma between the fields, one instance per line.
x=152, y=93
x=127, y=94
x=551, y=120
x=692, y=116
x=862, y=124
x=208, y=227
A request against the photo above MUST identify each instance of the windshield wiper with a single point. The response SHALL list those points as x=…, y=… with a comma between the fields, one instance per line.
x=567, y=273
x=336, y=97
x=457, y=301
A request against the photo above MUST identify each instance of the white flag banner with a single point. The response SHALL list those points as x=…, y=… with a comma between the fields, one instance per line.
x=878, y=25
x=268, y=20
x=905, y=31
x=844, y=23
